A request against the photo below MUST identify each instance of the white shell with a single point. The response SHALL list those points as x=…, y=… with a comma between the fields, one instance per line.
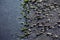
x=49, y=33
x=29, y=29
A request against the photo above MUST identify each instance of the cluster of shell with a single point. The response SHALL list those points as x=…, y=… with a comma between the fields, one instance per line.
x=40, y=17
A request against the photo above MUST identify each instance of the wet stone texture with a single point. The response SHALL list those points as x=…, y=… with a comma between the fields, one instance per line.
x=42, y=20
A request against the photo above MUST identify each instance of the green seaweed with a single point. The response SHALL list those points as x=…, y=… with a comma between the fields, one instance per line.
x=24, y=29
x=26, y=1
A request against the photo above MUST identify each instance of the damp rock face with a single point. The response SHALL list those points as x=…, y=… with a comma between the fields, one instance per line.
x=41, y=20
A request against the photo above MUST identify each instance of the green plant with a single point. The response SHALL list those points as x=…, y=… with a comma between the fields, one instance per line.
x=26, y=1
x=24, y=29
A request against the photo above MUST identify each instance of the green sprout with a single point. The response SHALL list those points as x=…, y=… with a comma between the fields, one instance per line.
x=26, y=1
x=24, y=29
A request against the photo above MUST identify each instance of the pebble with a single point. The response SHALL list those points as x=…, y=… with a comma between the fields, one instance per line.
x=58, y=22
x=51, y=15
x=42, y=30
x=32, y=7
x=29, y=29
x=40, y=26
x=33, y=25
x=58, y=26
x=52, y=7
x=55, y=36
x=48, y=19
x=37, y=24
x=55, y=4
x=51, y=27
x=46, y=14
x=42, y=23
x=49, y=34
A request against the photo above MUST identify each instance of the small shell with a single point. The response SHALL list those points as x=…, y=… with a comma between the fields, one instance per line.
x=56, y=36
x=49, y=19
x=40, y=26
x=52, y=27
x=49, y=33
x=58, y=26
x=52, y=7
